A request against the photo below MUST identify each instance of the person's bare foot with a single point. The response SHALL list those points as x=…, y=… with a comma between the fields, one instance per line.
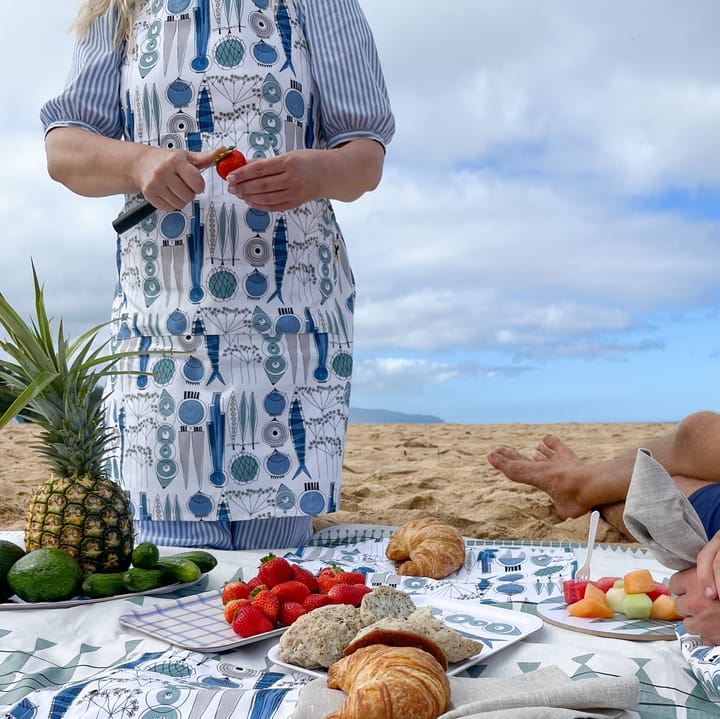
x=556, y=470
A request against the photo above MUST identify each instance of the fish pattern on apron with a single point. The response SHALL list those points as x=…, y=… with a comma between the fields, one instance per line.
x=241, y=320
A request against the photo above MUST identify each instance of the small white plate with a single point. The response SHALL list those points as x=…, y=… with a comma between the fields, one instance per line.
x=196, y=623
x=496, y=628
x=15, y=603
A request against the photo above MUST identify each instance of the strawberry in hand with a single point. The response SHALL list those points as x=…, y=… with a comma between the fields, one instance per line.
x=228, y=161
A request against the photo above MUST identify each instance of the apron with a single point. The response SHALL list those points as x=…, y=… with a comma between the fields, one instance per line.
x=240, y=320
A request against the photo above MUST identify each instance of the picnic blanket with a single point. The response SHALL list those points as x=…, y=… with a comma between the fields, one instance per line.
x=81, y=661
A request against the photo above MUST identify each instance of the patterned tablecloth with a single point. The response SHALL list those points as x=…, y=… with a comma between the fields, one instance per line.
x=84, y=661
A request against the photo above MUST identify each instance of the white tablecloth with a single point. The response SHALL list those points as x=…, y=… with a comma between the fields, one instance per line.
x=43, y=651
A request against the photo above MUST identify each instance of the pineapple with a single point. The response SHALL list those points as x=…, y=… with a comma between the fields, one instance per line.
x=78, y=509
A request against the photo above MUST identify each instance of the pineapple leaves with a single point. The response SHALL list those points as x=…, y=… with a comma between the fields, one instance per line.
x=37, y=386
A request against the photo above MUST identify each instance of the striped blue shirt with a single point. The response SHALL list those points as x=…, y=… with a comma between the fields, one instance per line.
x=353, y=97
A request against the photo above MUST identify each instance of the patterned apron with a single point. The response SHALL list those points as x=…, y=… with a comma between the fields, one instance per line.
x=241, y=319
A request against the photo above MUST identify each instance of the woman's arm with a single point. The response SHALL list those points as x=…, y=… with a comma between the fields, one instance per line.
x=289, y=180
x=96, y=166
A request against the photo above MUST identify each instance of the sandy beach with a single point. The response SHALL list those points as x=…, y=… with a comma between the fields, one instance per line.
x=394, y=472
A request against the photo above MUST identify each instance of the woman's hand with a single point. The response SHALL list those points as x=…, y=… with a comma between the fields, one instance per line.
x=701, y=614
x=171, y=179
x=293, y=178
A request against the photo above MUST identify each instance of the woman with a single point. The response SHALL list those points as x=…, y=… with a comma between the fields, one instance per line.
x=236, y=295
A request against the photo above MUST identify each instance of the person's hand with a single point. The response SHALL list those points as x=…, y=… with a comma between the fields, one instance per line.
x=280, y=183
x=701, y=614
x=170, y=179
x=708, y=567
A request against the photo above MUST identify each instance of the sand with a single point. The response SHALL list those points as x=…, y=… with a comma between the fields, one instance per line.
x=395, y=472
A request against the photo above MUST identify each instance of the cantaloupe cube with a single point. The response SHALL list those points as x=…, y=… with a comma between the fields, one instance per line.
x=590, y=608
x=639, y=581
x=663, y=607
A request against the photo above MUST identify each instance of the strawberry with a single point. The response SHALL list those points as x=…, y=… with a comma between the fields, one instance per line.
x=232, y=606
x=228, y=161
x=274, y=570
x=350, y=578
x=313, y=601
x=250, y=621
x=256, y=583
x=235, y=590
x=327, y=577
x=290, y=591
x=300, y=574
x=268, y=603
x=290, y=611
x=348, y=593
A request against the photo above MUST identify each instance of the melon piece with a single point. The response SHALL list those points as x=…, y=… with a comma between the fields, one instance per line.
x=614, y=598
x=659, y=588
x=639, y=581
x=663, y=607
x=605, y=583
x=573, y=590
x=636, y=605
x=592, y=605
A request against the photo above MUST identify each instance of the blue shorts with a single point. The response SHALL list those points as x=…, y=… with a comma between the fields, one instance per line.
x=706, y=502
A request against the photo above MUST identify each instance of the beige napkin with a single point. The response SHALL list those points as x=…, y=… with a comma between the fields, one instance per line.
x=546, y=693
x=659, y=516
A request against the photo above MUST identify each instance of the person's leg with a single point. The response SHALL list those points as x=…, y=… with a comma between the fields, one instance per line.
x=690, y=453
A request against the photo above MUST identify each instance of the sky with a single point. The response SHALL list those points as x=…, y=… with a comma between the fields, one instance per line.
x=545, y=243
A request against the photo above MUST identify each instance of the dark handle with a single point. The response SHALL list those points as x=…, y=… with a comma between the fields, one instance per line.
x=126, y=220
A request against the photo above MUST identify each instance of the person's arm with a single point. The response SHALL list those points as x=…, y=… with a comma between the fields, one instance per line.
x=291, y=179
x=355, y=121
x=96, y=166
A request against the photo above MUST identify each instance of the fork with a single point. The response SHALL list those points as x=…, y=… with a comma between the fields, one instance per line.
x=583, y=573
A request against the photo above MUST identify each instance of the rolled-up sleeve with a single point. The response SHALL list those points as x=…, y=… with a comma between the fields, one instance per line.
x=91, y=98
x=353, y=98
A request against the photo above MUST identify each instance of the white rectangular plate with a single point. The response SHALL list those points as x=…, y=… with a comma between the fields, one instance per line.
x=15, y=603
x=496, y=628
x=196, y=623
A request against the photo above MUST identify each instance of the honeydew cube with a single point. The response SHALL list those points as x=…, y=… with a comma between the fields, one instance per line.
x=614, y=598
x=636, y=606
x=619, y=583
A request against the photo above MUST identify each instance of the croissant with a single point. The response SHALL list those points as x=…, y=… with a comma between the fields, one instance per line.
x=426, y=548
x=385, y=682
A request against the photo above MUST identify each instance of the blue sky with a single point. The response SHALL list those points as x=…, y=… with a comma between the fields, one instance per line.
x=545, y=245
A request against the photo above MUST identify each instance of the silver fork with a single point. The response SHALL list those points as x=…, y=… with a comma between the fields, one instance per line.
x=583, y=573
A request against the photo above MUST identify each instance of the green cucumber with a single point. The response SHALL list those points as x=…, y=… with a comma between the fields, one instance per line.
x=206, y=561
x=145, y=555
x=179, y=569
x=138, y=579
x=104, y=584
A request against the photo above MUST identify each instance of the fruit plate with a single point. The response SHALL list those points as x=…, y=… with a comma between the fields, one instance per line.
x=15, y=603
x=196, y=623
x=495, y=627
x=554, y=611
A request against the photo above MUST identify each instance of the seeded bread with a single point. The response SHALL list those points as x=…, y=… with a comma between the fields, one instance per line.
x=385, y=603
x=456, y=646
x=317, y=639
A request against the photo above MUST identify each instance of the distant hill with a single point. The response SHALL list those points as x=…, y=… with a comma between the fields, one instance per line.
x=386, y=416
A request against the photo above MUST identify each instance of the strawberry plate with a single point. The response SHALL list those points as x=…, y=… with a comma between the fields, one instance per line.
x=196, y=623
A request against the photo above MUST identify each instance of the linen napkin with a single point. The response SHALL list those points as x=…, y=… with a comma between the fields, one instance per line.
x=546, y=693
x=659, y=516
